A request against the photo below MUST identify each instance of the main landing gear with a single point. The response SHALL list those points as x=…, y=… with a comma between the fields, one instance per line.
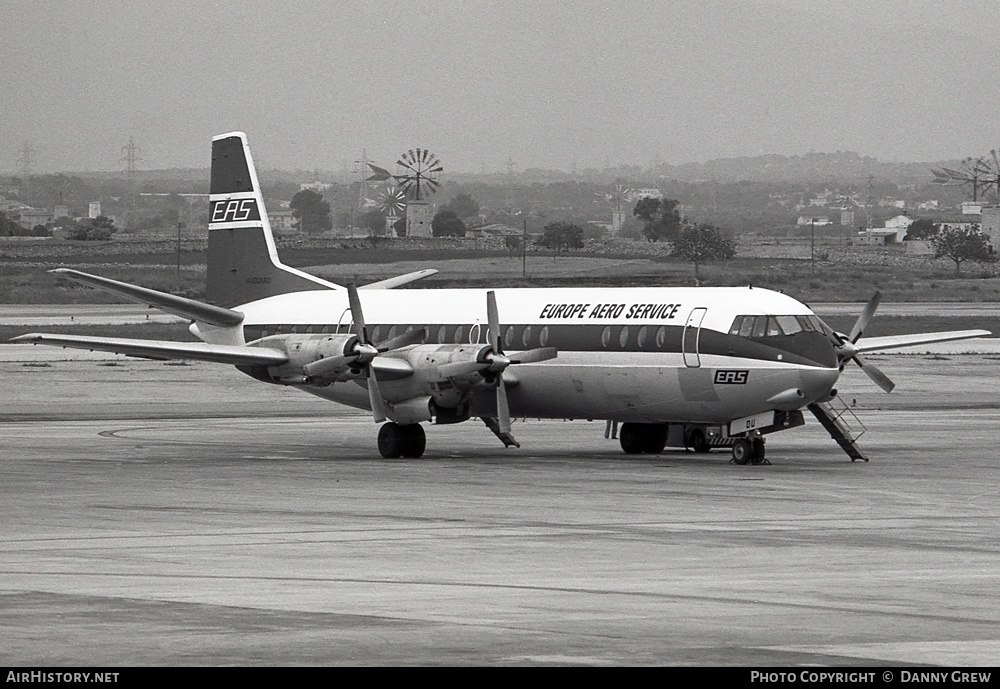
x=637, y=438
x=396, y=440
x=749, y=451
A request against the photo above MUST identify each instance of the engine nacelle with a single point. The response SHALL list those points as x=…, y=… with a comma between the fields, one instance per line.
x=302, y=350
x=413, y=410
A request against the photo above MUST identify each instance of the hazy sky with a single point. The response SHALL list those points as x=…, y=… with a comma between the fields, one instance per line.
x=546, y=83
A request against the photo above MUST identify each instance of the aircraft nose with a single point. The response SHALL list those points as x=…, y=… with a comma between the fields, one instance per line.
x=816, y=383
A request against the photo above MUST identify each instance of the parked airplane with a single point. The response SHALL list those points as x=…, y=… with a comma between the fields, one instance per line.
x=685, y=367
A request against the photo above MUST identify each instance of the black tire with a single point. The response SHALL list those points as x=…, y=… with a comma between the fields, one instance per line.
x=416, y=441
x=697, y=441
x=392, y=440
x=656, y=439
x=742, y=451
x=632, y=438
x=757, y=451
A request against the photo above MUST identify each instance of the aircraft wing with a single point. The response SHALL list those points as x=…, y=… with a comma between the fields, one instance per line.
x=179, y=306
x=400, y=280
x=162, y=349
x=871, y=344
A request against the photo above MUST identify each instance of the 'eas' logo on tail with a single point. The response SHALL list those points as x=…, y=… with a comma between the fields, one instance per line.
x=234, y=210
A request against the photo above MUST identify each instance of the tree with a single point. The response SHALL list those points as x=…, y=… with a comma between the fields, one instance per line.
x=447, y=224
x=562, y=236
x=702, y=243
x=921, y=228
x=662, y=219
x=98, y=229
x=463, y=205
x=512, y=243
x=312, y=212
x=963, y=244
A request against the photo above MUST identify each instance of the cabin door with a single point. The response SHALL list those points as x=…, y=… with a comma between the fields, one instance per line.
x=692, y=334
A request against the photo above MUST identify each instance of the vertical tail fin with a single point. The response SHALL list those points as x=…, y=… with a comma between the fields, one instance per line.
x=243, y=263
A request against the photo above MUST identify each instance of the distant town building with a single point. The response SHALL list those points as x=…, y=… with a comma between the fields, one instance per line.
x=972, y=207
x=94, y=209
x=931, y=205
x=60, y=211
x=847, y=217
x=814, y=220
x=318, y=187
x=34, y=216
x=281, y=221
x=645, y=194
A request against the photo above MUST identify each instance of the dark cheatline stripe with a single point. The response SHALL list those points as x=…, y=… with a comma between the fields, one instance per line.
x=805, y=348
x=230, y=172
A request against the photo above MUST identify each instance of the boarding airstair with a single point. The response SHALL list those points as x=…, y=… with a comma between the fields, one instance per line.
x=843, y=425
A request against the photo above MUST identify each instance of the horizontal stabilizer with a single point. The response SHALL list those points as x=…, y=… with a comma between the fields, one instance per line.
x=163, y=349
x=400, y=280
x=179, y=306
x=871, y=344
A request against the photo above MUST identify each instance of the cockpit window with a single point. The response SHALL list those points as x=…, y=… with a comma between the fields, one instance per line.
x=788, y=324
x=774, y=326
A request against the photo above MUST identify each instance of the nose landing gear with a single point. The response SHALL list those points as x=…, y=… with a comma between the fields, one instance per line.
x=750, y=450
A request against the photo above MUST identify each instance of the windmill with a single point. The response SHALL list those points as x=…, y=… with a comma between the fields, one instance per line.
x=392, y=202
x=974, y=172
x=618, y=199
x=420, y=171
x=991, y=179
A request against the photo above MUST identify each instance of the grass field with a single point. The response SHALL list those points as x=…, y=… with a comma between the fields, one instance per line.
x=848, y=277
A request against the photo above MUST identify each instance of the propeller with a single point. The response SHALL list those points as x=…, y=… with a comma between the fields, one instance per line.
x=846, y=345
x=363, y=354
x=495, y=361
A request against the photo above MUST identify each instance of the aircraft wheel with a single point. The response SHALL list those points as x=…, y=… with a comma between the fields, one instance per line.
x=656, y=439
x=742, y=451
x=392, y=440
x=757, y=451
x=632, y=438
x=697, y=441
x=416, y=441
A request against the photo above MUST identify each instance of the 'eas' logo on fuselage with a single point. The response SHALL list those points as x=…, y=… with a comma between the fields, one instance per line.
x=234, y=210
x=723, y=377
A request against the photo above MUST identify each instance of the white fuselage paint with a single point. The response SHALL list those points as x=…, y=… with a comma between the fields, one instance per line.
x=603, y=382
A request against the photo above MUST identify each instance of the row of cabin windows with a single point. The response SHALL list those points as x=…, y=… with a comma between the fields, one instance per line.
x=645, y=336
x=774, y=326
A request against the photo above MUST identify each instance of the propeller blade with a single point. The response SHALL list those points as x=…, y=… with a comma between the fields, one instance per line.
x=407, y=338
x=493, y=318
x=534, y=355
x=865, y=317
x=375, y=397
x=461, y=368
x=503, y=410
x=331, y=364
x=356, y=314
x=873, y=372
